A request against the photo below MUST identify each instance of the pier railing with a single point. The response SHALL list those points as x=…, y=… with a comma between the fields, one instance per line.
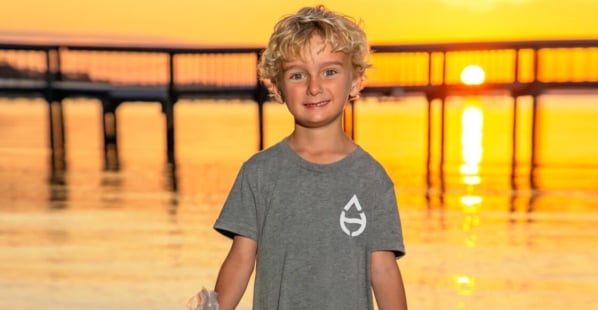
x=117, y=74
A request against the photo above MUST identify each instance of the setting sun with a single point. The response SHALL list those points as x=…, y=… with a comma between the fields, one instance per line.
x=473, y=75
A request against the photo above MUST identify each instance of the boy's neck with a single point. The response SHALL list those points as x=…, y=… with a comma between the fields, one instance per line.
x=319, y=145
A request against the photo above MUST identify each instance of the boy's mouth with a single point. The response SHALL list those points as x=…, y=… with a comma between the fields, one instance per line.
x=316, y=104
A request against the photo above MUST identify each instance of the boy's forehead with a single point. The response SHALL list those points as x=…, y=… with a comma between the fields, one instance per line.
x=316, y=46
x=326, y=57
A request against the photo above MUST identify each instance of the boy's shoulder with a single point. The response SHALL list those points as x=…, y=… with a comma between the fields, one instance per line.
x=370, y=164
x=367, y=158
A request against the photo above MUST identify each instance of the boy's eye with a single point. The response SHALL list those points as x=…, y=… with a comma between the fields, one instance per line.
x=330, y=72
x=296, y=76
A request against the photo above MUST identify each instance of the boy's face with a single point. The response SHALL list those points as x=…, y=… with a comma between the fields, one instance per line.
x=316, y=87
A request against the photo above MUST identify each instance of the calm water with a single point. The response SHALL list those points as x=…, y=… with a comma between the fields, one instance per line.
x=89, y=239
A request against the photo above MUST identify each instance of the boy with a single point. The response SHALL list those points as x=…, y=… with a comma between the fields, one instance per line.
x=315, y=213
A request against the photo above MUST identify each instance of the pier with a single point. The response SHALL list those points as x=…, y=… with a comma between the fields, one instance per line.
x=126, y=74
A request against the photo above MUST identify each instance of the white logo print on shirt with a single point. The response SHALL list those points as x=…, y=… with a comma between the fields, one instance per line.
x=344, y=220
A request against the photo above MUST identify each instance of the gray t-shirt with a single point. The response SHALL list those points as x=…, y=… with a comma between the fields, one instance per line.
x=315, y=225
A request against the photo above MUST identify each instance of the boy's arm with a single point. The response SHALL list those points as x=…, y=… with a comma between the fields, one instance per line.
x=387, y=281
x=235, y=272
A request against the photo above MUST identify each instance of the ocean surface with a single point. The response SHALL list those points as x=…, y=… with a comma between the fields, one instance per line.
x=481, y=233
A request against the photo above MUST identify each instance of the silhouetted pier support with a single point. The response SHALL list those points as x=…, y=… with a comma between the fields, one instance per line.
x=260, y=122
x=534, y=142
x=430, y=98
x=109, y=124
x=514, y=128
x=57, y=136
x=442, y=133
x=168, y=110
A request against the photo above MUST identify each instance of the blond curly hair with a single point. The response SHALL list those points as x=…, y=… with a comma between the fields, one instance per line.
x=292, y=33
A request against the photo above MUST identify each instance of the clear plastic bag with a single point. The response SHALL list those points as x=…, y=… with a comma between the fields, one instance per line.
x=203, y=300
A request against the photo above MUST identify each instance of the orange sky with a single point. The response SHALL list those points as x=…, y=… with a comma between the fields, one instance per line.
x=245, y=22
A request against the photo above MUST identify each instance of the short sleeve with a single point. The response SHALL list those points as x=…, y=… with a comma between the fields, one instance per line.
x=387, y=232
x=238, y=215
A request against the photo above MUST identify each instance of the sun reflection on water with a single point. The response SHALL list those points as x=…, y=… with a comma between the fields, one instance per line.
x=472, y=121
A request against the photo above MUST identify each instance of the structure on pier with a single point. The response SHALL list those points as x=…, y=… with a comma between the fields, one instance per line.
x=118, y=74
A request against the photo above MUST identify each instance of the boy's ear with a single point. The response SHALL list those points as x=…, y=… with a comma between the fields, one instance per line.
x=276, y=94
x=355, y=86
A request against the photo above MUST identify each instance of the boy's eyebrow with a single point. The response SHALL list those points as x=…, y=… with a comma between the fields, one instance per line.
x=295, y=64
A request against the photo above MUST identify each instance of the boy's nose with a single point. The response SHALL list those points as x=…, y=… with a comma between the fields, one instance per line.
x=314, y=86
